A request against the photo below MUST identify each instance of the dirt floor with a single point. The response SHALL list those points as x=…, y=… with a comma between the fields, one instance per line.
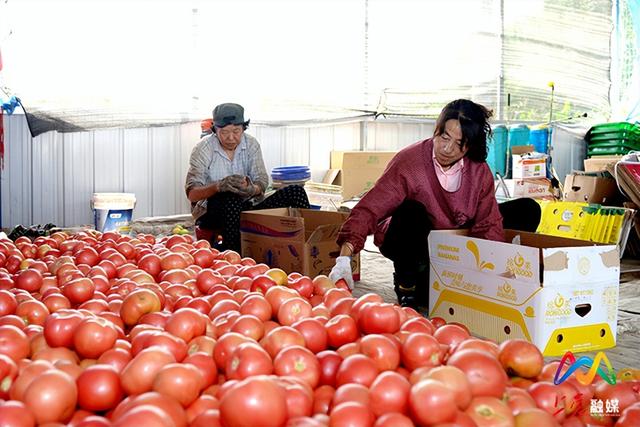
x=377, y=276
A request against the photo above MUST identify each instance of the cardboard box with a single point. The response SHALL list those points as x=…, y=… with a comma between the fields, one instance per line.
x=590, y=189
x=599, y=163
x=295, y=240
x=535, y=188
x=357, y=171
x=560, y=294
x=526, y=167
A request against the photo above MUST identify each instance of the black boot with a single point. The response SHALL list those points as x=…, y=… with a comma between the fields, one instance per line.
x=405, y=292
x=412, y=287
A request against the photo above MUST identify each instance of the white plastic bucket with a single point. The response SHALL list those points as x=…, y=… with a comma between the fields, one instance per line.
x=113, y=211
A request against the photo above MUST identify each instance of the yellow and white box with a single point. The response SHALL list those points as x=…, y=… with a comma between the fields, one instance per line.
x=561, y=294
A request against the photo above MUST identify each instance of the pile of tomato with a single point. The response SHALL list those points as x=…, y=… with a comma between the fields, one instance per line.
x=99, y=329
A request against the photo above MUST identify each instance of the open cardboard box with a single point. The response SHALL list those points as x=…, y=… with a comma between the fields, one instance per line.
x=590, y=189
x=526, y=167
x=295, y=240
x=560, y=294
x=356, y=171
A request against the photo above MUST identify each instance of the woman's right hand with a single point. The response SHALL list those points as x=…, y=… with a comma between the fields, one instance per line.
x=232, y=183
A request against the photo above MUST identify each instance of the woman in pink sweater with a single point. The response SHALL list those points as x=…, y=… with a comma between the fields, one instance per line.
x=442, y=182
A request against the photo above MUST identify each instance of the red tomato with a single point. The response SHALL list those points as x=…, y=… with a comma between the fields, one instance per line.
x=249, y=326
x=341, y=329
x=280, y=338
x=490, y=411
x=248, y=359
x=181, y=381
x=8, y=303
x=382, y=350
x=455, y=380
x=521, y=358
x=225, y=347
x=13, y=343
x=420, y=349
x=79, y=290
x=99, y=388
x=393, y=420
x=629, y=417
x=59, y=328
x=351, y=393
x=33, y=312
x=351, y=414
x=138, y=376
x=299, y=397
x=314, y=333
x=186, y=323
x=29, y=280
x=548, y=397
x=51, y=397
x=173, y=412
x=418, y=324
x=8, y=374
x=329, y=363
x=256, y=305
x=322, y=397
x=206, y=365
x=534, y=417
x=262, y=283
x=518, y=399
x=485, y=374
x=116, y=358
x=378, y=318
x=93, y=336
x=293, y=310
x=14, y=413
x=389, y=392
x=479, y=344
x=451, y=335
x=357, y=368
x=256, y=401
x=138, y=303
x=299, y=362
x=431, y=402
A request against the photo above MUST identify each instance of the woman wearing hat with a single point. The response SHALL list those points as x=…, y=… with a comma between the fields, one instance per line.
x=227, y=175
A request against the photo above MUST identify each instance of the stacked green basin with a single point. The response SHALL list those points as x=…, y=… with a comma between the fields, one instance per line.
x=609, y=139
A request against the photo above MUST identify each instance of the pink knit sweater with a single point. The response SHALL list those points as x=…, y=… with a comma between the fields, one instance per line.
x=411, y=175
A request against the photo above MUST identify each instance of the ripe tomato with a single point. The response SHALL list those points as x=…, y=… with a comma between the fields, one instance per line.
x=255, y=401
x=51, y=396
x=8, y=303
x=248, y=359
x=8, y=374
x=351, y=414
x=280, y=338
x=59, y=328
x=378, y=318
x=78, y=290
x=256, y=305
x=382, y=350
x=420, y=349
x=314, y=333
x=490, y=411
x=357, y=368
x=206, y=365
x=451, y=335
x=485, y=373
x=225, y=347
x=186, y=323
x=13, y=343
x=15, y=413
x=99, y=388
x=389, y=392
x=181, y=381
x=299, y=362
x=521, y=358
x=431, y=402
x=29, y=280
x=93, y=336
x=292, y=310
x=138, y=376
x=341, y=329
x=455, y=380
x=249, y=326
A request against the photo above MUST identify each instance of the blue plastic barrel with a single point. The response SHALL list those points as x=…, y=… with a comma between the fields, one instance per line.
x=497, y=155
x=539, y=138
x=518, y=135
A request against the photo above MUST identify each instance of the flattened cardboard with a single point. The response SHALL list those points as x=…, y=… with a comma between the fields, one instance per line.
x=300, y=240
x=599, y=163
x=561, y=294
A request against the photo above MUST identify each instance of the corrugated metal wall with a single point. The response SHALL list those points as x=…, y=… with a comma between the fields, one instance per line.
x=52, y=177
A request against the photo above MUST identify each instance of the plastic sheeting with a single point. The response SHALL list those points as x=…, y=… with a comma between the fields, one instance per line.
x=85, y=65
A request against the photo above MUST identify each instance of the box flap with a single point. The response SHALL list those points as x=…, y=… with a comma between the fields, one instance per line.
x=332, y=177
x=272, y=222
x=581, y=265
x=590, y=189
x=323, y=233
x=521, y=149
x=502, y=259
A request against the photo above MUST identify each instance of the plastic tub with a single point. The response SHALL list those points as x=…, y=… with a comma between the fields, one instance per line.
x=518, y=135
x=497, y=154
x=539, y=139
x=113, y=211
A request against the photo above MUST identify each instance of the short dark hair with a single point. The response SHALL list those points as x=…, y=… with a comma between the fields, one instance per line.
x=474, y=123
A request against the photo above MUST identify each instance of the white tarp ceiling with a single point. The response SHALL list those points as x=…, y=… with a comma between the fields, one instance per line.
x=87, y=64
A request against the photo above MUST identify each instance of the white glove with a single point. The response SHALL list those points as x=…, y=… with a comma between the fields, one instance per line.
x=342, y=270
